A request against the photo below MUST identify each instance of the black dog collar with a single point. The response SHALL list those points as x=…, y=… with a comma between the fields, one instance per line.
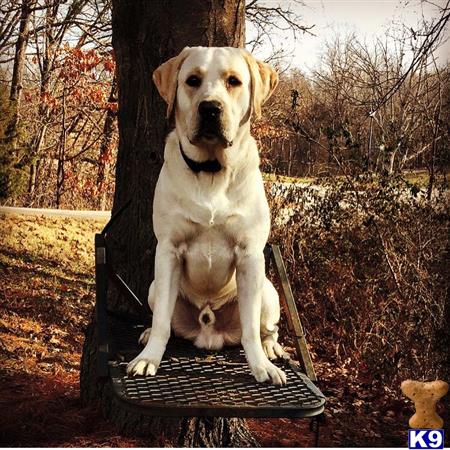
x=212, y=166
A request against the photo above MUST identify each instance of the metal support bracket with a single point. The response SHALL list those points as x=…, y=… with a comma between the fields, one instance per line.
x=314, y=426
x=101, y=311
x=292, y=314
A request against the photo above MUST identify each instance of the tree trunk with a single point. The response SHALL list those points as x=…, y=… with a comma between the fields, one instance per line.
x=432, y=159
x=105, y=148
x=145, y=34
x=33, y=181
x=369, y=144
x=18, y=68
x=61, y=155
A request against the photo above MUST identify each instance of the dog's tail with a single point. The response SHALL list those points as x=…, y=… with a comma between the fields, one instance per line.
x=207, y=317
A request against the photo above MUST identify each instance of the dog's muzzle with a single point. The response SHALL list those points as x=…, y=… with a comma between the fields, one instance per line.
x=210, y=129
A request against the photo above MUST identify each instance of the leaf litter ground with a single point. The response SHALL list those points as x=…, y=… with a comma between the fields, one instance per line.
x=46, y=299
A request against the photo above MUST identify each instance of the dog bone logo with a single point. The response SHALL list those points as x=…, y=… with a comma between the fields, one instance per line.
x=425, y=395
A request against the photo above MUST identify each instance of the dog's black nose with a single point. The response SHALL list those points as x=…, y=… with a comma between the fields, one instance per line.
x=210, y=109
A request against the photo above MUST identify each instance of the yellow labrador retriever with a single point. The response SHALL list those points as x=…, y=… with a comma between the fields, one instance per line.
x=210, y=213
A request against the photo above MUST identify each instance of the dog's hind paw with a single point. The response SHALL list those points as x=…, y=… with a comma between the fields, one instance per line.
x=145, y=336
x=273, y=349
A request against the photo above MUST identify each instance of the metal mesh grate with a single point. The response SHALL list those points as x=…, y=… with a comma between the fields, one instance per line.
x=198, y=382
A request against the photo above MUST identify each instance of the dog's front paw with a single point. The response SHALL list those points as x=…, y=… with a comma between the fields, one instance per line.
x=266, y=371
x=143, y=366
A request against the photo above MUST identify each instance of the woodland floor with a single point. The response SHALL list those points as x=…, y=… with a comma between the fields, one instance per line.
x=46, y=297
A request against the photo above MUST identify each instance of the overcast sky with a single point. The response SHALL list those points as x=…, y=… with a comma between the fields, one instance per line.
x=367, y=18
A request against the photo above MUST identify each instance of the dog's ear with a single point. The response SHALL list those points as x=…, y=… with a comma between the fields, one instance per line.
x=165, y=78
x=264, y=80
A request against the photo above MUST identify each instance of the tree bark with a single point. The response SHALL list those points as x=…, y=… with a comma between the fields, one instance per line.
x=61, y=155
x=38, y=142
x=145, y=34
x=15, y=95
x=105, y=147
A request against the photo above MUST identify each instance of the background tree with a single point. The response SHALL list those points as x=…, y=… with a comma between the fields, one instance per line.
x=19, y=65
x=39, y=41
x=267, y=20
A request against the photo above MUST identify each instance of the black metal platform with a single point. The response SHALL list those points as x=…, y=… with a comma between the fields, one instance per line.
x=193, y=382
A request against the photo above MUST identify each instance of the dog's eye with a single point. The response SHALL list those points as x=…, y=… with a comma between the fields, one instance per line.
x=233, y=81
x=194, y=81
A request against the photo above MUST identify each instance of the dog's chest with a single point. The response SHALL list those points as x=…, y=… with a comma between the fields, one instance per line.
x=210, y=213
x=209, y=239
x=209, y=247
x=209, y=265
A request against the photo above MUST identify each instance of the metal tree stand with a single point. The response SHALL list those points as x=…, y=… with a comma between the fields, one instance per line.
x=199, y=383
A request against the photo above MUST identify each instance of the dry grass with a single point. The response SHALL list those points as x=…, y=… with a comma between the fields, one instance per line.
x=46, y=298
x=45, y=301
x=68, y=241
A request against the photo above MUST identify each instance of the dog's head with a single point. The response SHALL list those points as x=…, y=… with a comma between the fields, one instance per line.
x=213, y=91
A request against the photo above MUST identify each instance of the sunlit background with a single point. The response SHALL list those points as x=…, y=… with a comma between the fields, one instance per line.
x=366, y=19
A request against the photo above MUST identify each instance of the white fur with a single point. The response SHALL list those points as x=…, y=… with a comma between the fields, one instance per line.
x=212, y=228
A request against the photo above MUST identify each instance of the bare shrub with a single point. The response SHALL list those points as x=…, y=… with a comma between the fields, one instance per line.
x=366, y=259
